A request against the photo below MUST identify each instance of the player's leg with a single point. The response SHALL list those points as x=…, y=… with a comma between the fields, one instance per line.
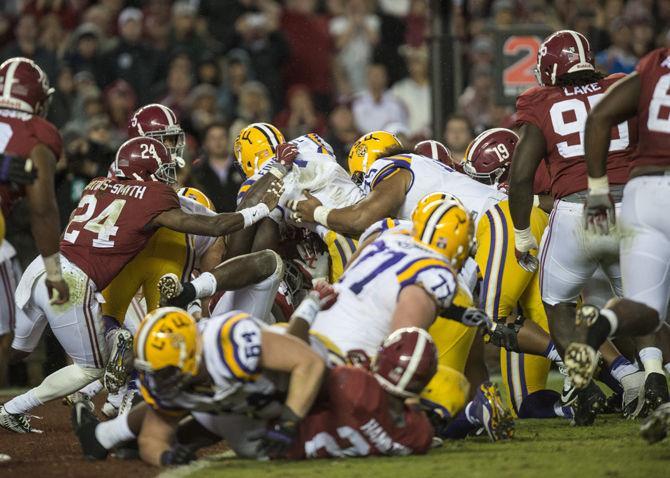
x=7, y=316
x=239, y=431
x=251, y=279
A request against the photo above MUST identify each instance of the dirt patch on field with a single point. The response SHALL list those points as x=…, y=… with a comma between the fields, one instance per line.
x=56, y=452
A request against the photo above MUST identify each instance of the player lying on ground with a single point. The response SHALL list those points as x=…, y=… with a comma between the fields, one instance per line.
x=114, y=220
x=645, y=244
x=230, y=364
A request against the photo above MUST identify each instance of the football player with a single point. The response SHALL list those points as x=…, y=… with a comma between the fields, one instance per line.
x=113, y=222
x=317, y=171
x=552, y=117
x=642, y=96
x=223, y=365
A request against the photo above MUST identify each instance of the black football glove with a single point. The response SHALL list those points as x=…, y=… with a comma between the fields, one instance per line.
x=276, y=440
x=177, y=455
x=186, y=296
x=17, y=170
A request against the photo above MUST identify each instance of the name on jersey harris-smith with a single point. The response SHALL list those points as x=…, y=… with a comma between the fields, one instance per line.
x=118, y=189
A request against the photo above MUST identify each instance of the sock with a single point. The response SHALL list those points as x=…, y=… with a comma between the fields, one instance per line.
x=652, y=360
x=540, y=404
x=621, y=367
x=114, y=432
x=608, y=379
x=459, y=427
x=552, y=354
x=565, y=412
x=23, y=403
x=667, y=367
x=600, y=330
x=92, y=389
x=205, y=285
x=59, y=384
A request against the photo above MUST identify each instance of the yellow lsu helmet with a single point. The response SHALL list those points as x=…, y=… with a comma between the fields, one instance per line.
x=255, y=145
x=369, y=148
x=447, y=392
x=442, y=223
x=198, y=196
x=167, y=349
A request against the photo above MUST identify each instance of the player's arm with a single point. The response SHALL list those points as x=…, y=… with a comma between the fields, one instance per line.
x=285, y=353
x=45, y=220
x=527, y=157
x=415, y=308
x=618, y=104
x=383, y=201
x=156, y=438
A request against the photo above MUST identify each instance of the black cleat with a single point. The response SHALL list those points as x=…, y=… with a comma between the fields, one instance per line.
x=84, y=423
x=590, y=401
x=655, y=393
x=613, y=404
x=655, y=428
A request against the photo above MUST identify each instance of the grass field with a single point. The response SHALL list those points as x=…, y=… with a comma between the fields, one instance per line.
x=612, y=448
x=541, y=448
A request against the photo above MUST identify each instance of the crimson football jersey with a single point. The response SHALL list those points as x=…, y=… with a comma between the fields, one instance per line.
x=355, y=420
x=653, y=110
x=110, y=225
x=19, y=134
x=560, y=113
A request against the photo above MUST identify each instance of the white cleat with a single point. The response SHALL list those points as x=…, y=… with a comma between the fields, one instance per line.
x=169, y=287
x=581, y=362
x=79, y=397
x=18, y=423
x=109, y=410
x=633, y=394
x=120, y=359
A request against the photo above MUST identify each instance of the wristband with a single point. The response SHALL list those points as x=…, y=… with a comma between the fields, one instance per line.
x=321, y=215
x=254, y=214
x=52, y=266
x=205, y=285
x=278, y=170
x=524, y=239
x=598, y=186
x=307, y=310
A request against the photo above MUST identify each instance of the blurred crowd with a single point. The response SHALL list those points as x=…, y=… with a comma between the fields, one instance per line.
x=335, y=67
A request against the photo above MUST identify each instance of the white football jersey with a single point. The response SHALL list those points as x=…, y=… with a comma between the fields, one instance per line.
x=429, y=176
x=369, y=288
x=199, y=244
x=316, y=170
x=231, y=351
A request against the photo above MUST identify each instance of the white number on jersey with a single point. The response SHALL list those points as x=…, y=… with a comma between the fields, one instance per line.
x=577, y=108
x=5, y=135
x=104, y=225
x=660, y=98
x=359, y=447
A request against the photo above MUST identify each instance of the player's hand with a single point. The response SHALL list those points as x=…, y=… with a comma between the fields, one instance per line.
x=599, y=216
x=17, y=170
x=524, y=243
x=286, y=154
x=276, y=440
x=474, y=317
x=59, y=292
x=325, y=294
x=177, y=455
x=303, y=211
x=273, y=194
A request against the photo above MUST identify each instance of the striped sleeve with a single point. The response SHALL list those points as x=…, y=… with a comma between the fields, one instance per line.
x=239, y=347
x=385, y=168
x=244, y=188
x=378, y=228
x=433, y=275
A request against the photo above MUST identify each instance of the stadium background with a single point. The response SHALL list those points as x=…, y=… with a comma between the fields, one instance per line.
x=420, y=68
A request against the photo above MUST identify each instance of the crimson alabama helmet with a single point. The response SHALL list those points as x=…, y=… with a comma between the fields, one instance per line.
x=144, y=159
x=160, y=122
x=406, y=362
x=24, y=86
x=435, y=150
x=489, y=156
x=564, y=51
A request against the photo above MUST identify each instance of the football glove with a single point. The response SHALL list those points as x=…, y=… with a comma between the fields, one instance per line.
x=599, y=216
x=17, y=170
x=177, y=455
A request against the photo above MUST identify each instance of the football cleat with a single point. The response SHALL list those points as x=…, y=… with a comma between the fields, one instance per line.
x=18, y=423
x=109, y=410
x=75, y=397
x=120, y=359
x=655, y=393
x=633, y=394
x=589, y=402
x=84, y=424
x=581, y=361
x=569, y=392
x=655, y=428
x=169, y=287
x=130, y=399
x=494, y=418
